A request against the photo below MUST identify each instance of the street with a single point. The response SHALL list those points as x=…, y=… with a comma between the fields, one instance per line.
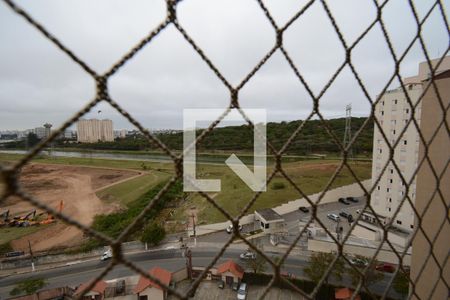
x=171, y=260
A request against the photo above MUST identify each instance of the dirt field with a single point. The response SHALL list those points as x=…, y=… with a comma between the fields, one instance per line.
x=75, y=186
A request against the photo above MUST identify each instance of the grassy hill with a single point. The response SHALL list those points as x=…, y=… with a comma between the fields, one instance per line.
x=312, y=139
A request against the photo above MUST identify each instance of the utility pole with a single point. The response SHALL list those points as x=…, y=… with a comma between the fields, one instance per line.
x=348, y=130
x=32, y=258
x=193, y=227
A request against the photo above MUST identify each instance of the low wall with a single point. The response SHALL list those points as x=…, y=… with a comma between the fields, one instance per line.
x=383, y=255
x=366, y=233
x=179, y=275
x=43, y=258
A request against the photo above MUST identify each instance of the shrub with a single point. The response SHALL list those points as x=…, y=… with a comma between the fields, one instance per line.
x=153, y=234
x=278, y=186
x=28, y=286
x=5, y=248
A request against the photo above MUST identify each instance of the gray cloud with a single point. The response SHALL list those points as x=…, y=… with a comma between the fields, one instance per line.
x=39, y=83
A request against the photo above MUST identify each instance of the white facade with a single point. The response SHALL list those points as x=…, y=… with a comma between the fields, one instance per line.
x=94, y=130
x=393, y=112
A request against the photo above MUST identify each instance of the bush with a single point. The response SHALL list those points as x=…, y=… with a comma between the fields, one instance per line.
x=28, y=286
x=114, y=224
x=5, y=248
x=153, y=234
x=278, y=186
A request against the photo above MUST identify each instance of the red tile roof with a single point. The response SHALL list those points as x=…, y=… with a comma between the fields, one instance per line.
x=231, y=266
x=159, y=273
x=345, y=293
x=99, y=287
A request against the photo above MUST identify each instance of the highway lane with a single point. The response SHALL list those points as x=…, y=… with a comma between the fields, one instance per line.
x=171, y=260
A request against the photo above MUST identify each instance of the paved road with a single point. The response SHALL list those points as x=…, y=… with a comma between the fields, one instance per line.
x=169, y=259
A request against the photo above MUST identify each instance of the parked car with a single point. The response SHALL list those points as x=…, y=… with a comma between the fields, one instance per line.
x=352, y=199
x=358, y=262
x=343, y=201
x=304, y=209
x=242, y=292
x=106, y=255
x=333, y=217
x=235, y=286
x=230, y=228
x=248, y=255
x=350, y=218
x=344, y=214
x=384, y=267
x=221, y=284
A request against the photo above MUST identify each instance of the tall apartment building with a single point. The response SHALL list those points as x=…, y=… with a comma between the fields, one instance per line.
x=393, y=112
x=94, y=130
x=432, y=282
x=43, y=132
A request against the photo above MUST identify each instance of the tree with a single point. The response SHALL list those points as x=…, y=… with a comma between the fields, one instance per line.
x=153, y=234
x=319, y=264
x=401, y=282
x=32, y=139
x=28, y=286
x=370, y=274
x=257, y=265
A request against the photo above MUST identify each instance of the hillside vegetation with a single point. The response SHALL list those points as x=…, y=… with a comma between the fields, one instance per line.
x=312, y=139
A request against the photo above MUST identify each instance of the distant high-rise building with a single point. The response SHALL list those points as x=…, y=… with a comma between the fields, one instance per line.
x=393, y=113
x=43, y=132
x=94, y=130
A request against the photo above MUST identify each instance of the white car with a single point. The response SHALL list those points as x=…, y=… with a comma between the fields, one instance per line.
x=248, y=255
x=333, y=217
x=106, y=255
x=230, y=228
x=242, y=292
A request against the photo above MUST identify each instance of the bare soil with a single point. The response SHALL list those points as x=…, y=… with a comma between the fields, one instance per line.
x=75, y=186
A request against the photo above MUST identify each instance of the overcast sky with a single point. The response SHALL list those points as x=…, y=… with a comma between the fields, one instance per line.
x=39, y=83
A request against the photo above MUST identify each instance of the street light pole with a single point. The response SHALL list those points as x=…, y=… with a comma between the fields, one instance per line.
x=32, y=258
x=193, y=227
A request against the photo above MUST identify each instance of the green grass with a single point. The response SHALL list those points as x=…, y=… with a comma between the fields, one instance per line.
x=8, y=234
x=131, y=190
x=235, y=194
x=91, y=162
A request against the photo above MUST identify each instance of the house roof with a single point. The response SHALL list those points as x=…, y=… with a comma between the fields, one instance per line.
x=269, y=214
x=161, y=274
x=345, y=293
x=231, y=266
x=99, y=287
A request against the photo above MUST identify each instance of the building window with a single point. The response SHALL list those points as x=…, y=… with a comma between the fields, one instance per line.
x=388, y=190
x=391, y=180
x=389, y=209
x=378, y=188
x=393, y=131
x=399, y=222
x=390, y=199
x=411, y=226
x=266, y=226
x=381, y=150
x=392, y=171
x=407, y=110
x=382, y=103
x=143, y=297
x=382, y=113
x=405, y=142
x=395, y=101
